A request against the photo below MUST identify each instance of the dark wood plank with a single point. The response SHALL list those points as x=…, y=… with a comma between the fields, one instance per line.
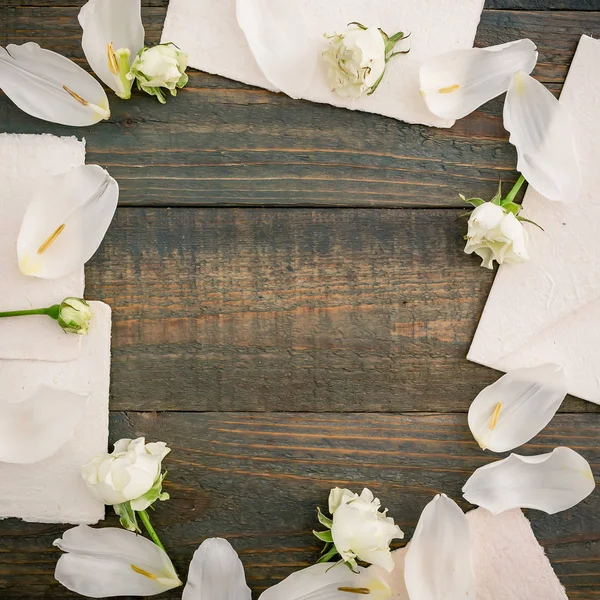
x=316, y=310
x=223, y=143
x=256, y=480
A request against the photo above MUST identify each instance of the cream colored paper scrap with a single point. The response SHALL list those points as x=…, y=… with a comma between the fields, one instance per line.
x=548, y=310
x=24, y=161
x=52, y=491
x=208, y=31
x=508, y=561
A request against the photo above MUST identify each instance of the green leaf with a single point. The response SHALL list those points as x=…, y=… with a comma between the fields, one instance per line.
x=464, y=215
x=328, y=556
x=388, y=58
x=511, y=207
x=397, y=37
x=375, y=85
x=326, y=521
x=384, y=35
x=497, y=199
x=324, y=536
x=524, y=220
x=358, y=25
x=127, y=516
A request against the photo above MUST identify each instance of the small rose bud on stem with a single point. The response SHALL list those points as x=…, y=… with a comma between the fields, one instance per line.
x=72, y=314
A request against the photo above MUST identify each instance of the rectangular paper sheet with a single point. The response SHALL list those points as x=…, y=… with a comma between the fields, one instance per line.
x=24, y=159
x=52, y=491
x=548, y=309
x=208, y=31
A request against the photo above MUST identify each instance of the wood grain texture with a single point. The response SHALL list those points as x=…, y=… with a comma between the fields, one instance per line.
x=256, y=480
x=222, y=143
x=304, y=309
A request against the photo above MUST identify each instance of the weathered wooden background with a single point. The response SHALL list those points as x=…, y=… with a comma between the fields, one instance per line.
x=292, y=306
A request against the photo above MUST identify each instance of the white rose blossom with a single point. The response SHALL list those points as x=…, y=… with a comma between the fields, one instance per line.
x=357, y=59
x=359, y=530
x=129, y=478
x=161, y=66
x=496, y=235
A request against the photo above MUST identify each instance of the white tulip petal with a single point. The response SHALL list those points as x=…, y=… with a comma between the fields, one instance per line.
x=111, y=25
x=549, y=482
x=329, y=581
x=438, y=561
x=112, y=562
x=541, y=131
x=66, y=221
x=49, y=86
x=216, y=573
x=514, y=409
x=35, y=429
x=280, y=43
x=458, y=82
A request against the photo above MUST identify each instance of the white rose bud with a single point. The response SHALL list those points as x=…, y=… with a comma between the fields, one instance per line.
x=161, y=66
x=496, y=234
x=74, y=316
x=360, y=531
x=357, y=59
x=131, y=473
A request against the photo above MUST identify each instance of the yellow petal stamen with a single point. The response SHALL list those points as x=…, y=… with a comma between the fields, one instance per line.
x=51, y=239
x=353, y=590
x=144, y=573
x=113, y=63
x=495, y=416
x=76, y=96
x=449, y=89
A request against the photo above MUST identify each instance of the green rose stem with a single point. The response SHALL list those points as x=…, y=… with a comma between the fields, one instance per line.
x=515, y=190
x=145, y=518
x=51, y=311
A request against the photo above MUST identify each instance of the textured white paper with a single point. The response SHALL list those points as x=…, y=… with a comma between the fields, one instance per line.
x=208, y=31
x=52, y=491
x=509, y=563
x=548, y=310
x=24, y=161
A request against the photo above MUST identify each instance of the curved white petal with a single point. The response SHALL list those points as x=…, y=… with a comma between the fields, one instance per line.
x=280, y=43
x=111, y=25
x=112, y=562
x=458, y=82
x=49, y=86
x=517, y=407
x=438, y=561
x=549, y=482
x=216, y=573
x=541, y=131
x=66, y=221
x=330, y=581
x=35, y=429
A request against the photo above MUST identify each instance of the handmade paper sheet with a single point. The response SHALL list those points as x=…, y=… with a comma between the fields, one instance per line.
x=208, y=31
x=24, y=161
x=548, y=310
x=53, y=490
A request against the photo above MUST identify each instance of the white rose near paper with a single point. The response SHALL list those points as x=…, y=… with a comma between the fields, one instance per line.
x=496, y=235
x=360, y=530
x=126, y=474
x=356, y=60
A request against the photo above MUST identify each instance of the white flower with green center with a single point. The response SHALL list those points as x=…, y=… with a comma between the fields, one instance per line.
x=112, y=35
